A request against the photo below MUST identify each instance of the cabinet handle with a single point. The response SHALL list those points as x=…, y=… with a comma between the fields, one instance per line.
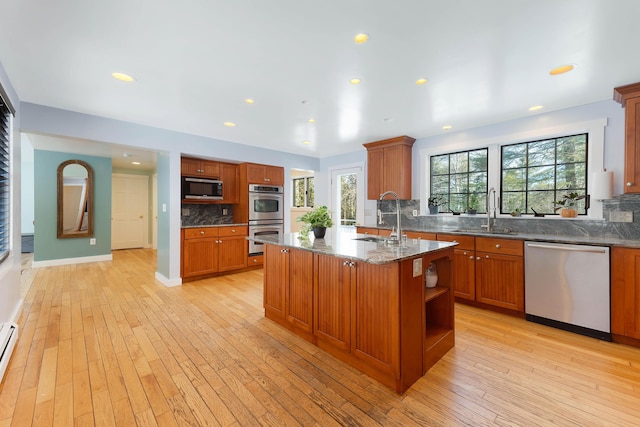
x=487, y=256
x=478, y=259
x=351, y=263
x=345, y=263
x=255, y=260
x=464, y=253
x=454, y=241
x=471, y=257
x=202, y=232
x=498, y=246
x=284, y=251
x=629, y=184
x=233, y=230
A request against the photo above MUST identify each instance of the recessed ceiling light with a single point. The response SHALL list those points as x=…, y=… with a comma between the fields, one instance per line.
x=135, y=163
x=361, y=38
x=447, y=127
x=312, y=120
x=306, y=142
x=561, y=69
x=388, y=119
x=421, y=81
x=122, y=77
x=229, y=124
x=354, y=81
x=535, y=108
x=249, y=101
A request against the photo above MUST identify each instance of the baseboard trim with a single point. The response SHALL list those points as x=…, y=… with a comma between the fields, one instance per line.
x=67, y=261
x=169, y=283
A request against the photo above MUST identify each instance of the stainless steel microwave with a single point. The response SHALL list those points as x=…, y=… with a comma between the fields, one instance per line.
x=196, y=188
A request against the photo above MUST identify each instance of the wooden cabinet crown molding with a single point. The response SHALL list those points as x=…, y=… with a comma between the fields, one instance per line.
x=403, y=140
x=622, y=93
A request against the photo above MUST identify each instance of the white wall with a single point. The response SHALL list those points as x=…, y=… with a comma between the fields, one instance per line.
x=27, y=183
x=10, y=301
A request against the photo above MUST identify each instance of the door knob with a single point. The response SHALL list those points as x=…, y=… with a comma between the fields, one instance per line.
x=629, y=184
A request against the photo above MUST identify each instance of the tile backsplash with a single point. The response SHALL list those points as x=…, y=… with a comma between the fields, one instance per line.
x=526, y=223
x=206, y=214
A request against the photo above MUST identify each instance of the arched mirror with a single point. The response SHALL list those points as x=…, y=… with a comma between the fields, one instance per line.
x=75, y=199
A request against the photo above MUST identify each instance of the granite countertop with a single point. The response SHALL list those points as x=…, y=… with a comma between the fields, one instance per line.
x=342, y=244
x=602, y=240
x=215, y=225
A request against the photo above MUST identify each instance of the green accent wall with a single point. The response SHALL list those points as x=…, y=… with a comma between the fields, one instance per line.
x=47, y=246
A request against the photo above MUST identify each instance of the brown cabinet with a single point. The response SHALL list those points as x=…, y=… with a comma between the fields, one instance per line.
x=489, y=270
x=332, y=301
x=199, y=167
x=420, y=235
x=288, y=289
x=367, y=230
x=389, y=167
x=209, y=250
x=629, y=97
x=625, y=292
x=230, y=177
x=265, y=174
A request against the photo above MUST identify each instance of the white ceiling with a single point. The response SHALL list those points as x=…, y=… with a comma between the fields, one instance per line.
x=195, y=62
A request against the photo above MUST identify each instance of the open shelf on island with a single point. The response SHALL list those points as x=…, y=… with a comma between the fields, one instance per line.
x=431, y=293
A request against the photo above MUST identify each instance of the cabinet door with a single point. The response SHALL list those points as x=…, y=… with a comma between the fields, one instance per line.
x=397, y=160
x=199, y=256
x=276, y=275
x=210, y=169
x=232, y=253
x=375, y=333
x=464, y=279
x=332, y=301
x=230, y=177
x=625, y=292
x=299, y=292
x=632, y=146
x=256, y=174
x=375, y=173
x=275, y=175
x=500, y=280
x=190, y=167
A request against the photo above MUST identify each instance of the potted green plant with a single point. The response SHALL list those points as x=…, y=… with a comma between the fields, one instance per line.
x=567, y=204
x=434, y=202
x=318, y=220
x=472, y=208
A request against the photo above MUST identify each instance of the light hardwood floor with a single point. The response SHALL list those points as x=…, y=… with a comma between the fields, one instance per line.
x=105, y=344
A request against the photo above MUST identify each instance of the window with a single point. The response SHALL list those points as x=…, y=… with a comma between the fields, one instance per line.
x=537, y=173
x=303, y=193
x=5, y=132
x=461, y=180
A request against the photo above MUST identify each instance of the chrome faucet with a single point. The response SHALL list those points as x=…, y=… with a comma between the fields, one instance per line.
x=398, y=229
x=489, y=225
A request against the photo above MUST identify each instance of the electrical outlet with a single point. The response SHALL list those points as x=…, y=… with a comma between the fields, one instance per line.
x=621, y=216
x=225, y=211
x=417, y=267
x=164, y=207
x=92, y=242
x=415, y=212
x=185, y=212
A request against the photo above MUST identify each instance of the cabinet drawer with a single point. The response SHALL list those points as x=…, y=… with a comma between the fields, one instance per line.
x=421, y=235
x=500, y=246
x=464, y=242
x=200, y=232
x=233, y=231
x=367, y=230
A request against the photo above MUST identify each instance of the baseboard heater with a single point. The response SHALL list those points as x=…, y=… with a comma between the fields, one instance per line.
x=8, y=338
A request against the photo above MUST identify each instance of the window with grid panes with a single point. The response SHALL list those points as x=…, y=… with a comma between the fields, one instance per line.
x=537, y=173
x=461, y=179
x=5, y=131
x=303, y=192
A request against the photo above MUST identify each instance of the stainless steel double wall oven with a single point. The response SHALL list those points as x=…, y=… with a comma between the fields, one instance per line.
x=266, y=213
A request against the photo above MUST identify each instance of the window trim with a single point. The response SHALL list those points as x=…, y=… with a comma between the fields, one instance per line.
x=9, y=188
x=306, y=190
x=595, y=156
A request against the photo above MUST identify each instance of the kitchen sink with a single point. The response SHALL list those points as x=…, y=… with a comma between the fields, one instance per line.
x=372, y=239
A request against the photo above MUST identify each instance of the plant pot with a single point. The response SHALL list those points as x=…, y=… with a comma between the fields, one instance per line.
x=433, y=210
x=568, y=213
x=472, y=211
x=319, y=232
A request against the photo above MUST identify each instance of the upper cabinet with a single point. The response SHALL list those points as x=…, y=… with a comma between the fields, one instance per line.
x=265, y=174
x=629, y=97
x=199, y=167
x=389, y=167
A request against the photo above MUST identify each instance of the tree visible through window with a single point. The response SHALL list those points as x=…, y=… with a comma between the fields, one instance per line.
x=537, y=173
x=303, y=192
x=348, y=198
x=461, y=179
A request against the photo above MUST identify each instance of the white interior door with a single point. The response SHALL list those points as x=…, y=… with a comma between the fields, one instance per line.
x=129, y=211
x=154, y=212
x=353, y=177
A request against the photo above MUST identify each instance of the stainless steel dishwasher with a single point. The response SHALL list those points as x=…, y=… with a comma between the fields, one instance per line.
x=567, y=287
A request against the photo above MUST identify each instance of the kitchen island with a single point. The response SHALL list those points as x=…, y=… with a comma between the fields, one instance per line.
x=363, y=300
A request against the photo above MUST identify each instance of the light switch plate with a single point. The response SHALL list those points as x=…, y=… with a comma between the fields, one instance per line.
x=417, y=267
x=621, y=216
x=415, y=212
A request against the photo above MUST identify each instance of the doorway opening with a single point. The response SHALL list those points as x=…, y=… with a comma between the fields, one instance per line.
x=347, y=194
